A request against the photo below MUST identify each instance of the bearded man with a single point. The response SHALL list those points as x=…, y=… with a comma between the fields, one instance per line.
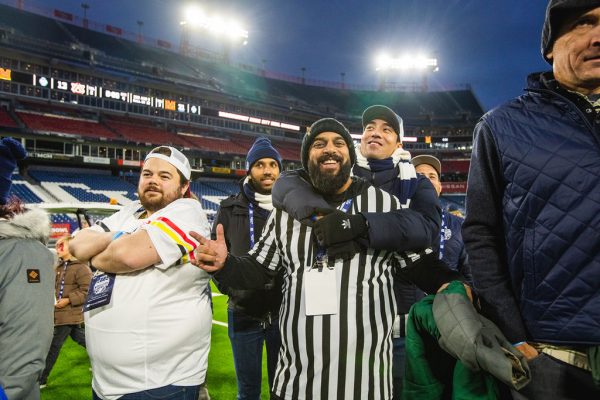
x=337, y=313
x=148, y=313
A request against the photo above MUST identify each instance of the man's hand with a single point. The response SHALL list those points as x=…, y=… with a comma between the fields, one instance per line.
x=467, y=289
x=62, y=303
x=210, y=254
x=336, y=226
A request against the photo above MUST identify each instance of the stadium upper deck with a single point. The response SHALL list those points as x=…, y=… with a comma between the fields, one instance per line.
x=118, y=97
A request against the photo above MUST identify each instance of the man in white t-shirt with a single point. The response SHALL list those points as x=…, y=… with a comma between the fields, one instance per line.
x=148, y=314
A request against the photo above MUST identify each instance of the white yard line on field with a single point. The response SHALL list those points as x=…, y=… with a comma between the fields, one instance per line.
x=217, y=294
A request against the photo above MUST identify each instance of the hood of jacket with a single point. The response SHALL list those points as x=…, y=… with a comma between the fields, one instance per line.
x=32, y=224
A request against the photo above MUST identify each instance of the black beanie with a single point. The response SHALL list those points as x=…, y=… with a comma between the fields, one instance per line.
x=262, y=148
x=326, y=125
x=11, y=151
x=555, y=13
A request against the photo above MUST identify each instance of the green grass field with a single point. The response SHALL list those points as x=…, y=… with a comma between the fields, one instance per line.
x=71, y=379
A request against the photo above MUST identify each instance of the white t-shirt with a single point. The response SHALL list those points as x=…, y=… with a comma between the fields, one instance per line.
x=156, y=329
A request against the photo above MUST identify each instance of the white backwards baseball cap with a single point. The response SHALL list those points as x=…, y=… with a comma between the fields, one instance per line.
x=173, y=157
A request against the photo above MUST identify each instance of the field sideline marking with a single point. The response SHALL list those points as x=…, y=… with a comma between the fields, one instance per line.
x=220, y=323
x=216, y=294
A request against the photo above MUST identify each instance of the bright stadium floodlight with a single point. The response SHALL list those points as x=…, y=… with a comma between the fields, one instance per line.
x=193, y=14
x=406, y=62
x=195, y=17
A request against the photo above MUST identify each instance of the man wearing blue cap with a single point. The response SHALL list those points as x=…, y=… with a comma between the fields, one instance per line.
x=252, y=314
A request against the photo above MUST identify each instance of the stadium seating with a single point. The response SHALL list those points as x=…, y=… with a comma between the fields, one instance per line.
x=54, y=123
x=22, y=189
x=211, y=193
x=216, y=145
x=289, y=151
x=6, y=120
x=213, y=84
x=143, y=132
x=454, y=166
x=227, y=187
x=85, y=187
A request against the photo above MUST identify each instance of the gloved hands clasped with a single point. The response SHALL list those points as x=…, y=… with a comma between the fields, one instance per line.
x=336, y=226
x=337, y=231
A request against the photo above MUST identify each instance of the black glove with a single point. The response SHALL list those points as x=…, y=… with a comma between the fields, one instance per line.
x=345, y=250
x=337, y=226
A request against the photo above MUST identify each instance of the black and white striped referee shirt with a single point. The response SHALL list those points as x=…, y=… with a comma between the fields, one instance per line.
x=347, y=355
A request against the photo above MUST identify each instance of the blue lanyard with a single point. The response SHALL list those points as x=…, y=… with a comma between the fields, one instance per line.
x=346, y=206
x=321, y=254
x=442, y=234
x=251, y=223
x=62, y=281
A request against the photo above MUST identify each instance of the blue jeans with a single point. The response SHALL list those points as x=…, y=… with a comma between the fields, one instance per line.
x=247, y=336
x=398, y=366
x=169, y=392
x=552, y=379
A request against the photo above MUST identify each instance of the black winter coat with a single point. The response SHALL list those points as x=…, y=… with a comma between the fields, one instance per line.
x=233, y=214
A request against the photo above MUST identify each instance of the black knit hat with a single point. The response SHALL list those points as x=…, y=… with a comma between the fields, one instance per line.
x=555, y=13
x=326, y=125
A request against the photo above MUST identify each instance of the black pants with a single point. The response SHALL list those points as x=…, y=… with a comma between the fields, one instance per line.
x=552, y=379
x=61, y=332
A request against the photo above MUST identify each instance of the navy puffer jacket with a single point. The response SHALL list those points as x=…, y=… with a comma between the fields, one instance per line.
x=532, y=229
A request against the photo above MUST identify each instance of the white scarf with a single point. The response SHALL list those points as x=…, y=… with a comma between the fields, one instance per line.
x=264, y=201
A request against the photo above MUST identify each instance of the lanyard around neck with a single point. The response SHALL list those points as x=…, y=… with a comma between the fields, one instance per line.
x=62, y=281
x=251, y=223
x=443, y=233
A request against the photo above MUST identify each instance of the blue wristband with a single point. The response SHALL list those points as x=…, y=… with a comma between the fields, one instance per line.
x=518, y=344
x=118, y=235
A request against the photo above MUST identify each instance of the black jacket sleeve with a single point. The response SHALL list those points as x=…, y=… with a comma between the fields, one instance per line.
x=220, y=218
x=244, y=273
x=408, y=229
x=483, y=234
x=463, y=266
x=428, y=273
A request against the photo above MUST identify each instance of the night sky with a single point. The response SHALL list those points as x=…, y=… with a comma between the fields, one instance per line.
x=490, y=44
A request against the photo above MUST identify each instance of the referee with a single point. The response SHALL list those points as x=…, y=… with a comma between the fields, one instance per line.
x=337, y=313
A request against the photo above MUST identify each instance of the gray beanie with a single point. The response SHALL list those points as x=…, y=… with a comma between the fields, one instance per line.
x=326, y=125
x=555, y=13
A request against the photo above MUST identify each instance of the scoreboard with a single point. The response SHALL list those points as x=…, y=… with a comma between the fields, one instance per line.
x=98, y=91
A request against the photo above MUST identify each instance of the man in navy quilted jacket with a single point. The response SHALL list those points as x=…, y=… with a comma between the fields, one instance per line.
x=532, y=229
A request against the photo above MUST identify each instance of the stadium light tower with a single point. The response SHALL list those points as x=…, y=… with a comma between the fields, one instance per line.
x=407, y=63
x=85, y=7
x=227, y=28
x=140, y=24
